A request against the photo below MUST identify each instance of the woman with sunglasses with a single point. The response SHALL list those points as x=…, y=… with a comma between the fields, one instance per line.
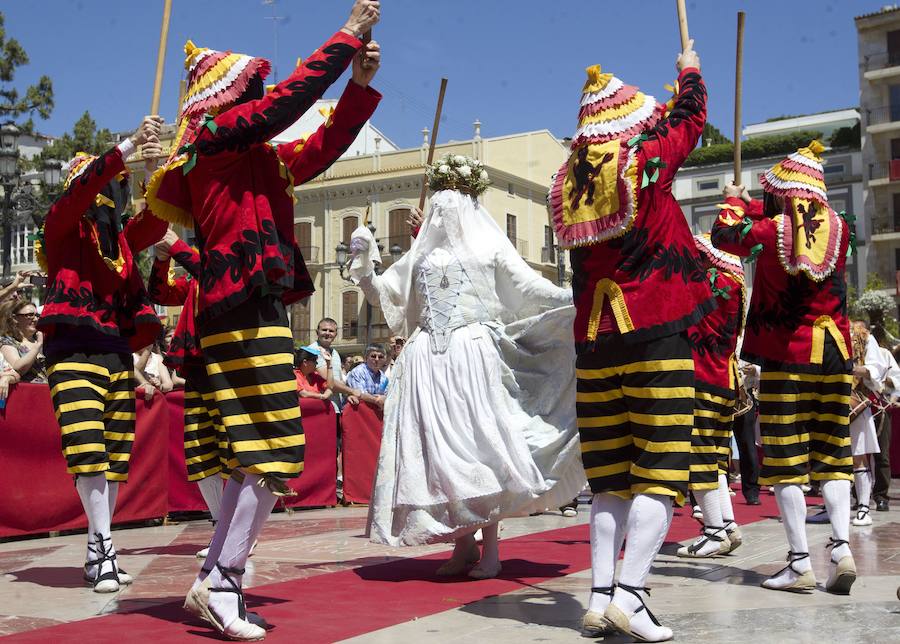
x=22, y=345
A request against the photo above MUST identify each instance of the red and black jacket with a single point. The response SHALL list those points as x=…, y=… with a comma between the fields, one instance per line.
x=85, y=289
x=650, y=282
x=168, y=290
x=789, y=315
x=240, y=192
x=714, y=338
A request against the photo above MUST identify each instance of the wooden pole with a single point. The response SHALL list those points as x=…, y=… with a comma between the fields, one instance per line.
x=738, y=94
x=682, y=24
x=161, y=56
x=434, y=131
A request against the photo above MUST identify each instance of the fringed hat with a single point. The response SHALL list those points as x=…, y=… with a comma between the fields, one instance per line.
x=718, y=258
x=610, y=110
x=593, y=196
x=810, y=233
x=215, y=80
x=800, y=175
x=79, y=164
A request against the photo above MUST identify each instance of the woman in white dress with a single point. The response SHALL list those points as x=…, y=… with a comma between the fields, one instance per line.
x=479, y=421
x=863, y=435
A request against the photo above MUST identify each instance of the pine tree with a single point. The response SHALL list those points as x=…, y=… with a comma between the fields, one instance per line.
x=38, y=98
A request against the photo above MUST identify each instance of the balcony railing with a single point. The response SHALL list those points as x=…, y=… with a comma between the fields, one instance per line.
x=548, y=255
x=881, y=61
x=310, y=254
x=884, y=223
x=521, y=246
x=885, y=114
x=890, y=170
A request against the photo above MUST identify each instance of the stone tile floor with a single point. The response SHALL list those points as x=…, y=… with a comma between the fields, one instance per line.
x=703, y=601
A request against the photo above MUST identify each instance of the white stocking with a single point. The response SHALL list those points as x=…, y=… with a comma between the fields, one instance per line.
x=863, y=481
x=94, y=494
x=609, y=515
x=254, y=505
x=113, y=497
x=648, y=523
x=229, y=503
x=725, y=500
x=837, y=501
x=211, y=489
x=712, y=509
x=792, y=505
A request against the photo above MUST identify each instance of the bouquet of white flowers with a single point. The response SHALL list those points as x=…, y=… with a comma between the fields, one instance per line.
x=458, y=172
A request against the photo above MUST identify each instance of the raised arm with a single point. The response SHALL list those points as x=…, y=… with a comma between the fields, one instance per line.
x=255, y=122
x=670, y=142
x=737, y=232
x=66, y=212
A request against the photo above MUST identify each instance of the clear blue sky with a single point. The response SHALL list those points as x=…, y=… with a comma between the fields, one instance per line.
x=515, y=65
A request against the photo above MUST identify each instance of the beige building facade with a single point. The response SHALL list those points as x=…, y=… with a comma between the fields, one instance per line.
x=384, y=187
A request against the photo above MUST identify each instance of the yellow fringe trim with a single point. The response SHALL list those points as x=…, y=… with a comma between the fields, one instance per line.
x=163, y=209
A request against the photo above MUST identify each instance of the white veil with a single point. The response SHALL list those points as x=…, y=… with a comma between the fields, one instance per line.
x=458, y=222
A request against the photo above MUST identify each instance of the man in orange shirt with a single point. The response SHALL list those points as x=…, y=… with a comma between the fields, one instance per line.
x=309, y=383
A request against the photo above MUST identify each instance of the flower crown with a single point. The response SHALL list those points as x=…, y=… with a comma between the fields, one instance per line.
x=458, y=172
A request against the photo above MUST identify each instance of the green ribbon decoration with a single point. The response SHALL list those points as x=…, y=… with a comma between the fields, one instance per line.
x=637, y=140
x=754, y=253
x=747, y=227
x=208, y=122
x=656, y=163
x=713, y=274
x=850, y=220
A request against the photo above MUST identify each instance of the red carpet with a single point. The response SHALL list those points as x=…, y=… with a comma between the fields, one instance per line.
x=315, y=609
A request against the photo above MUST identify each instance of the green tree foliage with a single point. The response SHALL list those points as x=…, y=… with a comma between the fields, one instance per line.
x=38, y=98
x=846, y=137
x=712, y=136
x=755, y=148
x=85, y=137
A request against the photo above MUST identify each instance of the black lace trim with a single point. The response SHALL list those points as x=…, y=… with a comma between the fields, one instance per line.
x=691, y=101
x=716, y=343
x=641, y=259
x=188, y=262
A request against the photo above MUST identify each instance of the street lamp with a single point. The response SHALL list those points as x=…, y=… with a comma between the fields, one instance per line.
x=9, y=177
x=52, y=172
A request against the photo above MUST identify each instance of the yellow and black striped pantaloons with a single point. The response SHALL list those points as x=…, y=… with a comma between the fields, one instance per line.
x=93, y=398
x=635, y=405
x=711, y=436
x=205, y=442
x=249, y=363
x=804, y=421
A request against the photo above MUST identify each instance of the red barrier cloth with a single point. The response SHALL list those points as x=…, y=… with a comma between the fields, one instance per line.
x=362, y=427
x=315, y=487
x=40, y=496
x=184, y=496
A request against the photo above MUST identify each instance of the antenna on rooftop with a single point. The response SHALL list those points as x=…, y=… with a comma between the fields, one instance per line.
x=276, y=20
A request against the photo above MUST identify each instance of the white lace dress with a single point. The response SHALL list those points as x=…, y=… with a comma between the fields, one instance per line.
x=479, y=424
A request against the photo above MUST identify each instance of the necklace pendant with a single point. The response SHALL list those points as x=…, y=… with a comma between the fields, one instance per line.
x=445, y=283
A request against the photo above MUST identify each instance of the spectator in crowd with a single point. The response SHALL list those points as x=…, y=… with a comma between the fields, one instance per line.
x=10, y=290
x=366, y=381
x=329, y=365
x=177, y=381
x=395, y=346
x=348, y=364
x=310, y=383
x=8, y=376
x=21, y=344
x=150, y=372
